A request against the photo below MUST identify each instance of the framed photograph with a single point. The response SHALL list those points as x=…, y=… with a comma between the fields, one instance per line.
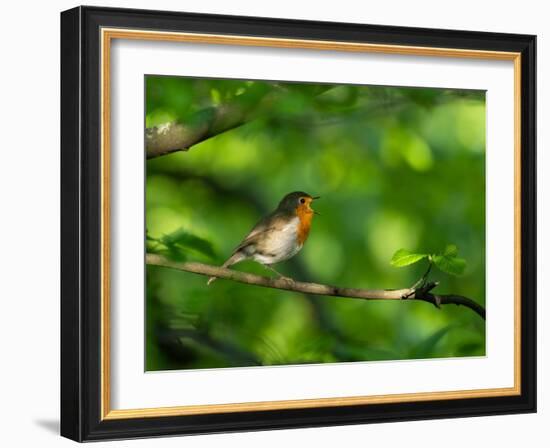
x=275, y=224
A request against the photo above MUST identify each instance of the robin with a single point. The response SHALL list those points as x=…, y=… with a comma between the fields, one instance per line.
x=279, y=235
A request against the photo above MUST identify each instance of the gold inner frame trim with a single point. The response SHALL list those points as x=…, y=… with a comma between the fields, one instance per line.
x=107, y=35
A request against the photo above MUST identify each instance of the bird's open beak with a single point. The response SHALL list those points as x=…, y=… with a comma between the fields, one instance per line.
x=315, y=211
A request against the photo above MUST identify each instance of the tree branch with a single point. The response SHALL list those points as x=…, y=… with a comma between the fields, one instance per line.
x=209, y=122
x=174, y=136
x=423, y=293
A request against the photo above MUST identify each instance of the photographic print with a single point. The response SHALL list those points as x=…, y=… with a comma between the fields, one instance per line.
x=298, y=223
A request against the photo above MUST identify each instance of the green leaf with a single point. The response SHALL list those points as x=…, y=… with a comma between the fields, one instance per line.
x=186, y=240
x=450, y=264
x=450, y=250
x=216, y=96
x=152, y=247
x=405, y=257
x=174, y=253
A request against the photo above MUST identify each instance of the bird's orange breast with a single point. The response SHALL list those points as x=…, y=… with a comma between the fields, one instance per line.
x=305, y=216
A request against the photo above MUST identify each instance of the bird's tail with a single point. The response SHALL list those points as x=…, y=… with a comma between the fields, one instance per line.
x=235, y=258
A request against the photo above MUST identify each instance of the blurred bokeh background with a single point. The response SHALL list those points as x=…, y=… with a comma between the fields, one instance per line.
x=395, y=167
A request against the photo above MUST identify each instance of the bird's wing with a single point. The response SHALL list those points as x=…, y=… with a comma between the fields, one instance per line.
x=248, y=246
x=273, y=222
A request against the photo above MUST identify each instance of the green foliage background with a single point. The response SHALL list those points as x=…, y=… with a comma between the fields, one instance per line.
x=396, y=168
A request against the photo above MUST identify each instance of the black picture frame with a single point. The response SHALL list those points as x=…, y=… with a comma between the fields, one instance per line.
x=81, y=224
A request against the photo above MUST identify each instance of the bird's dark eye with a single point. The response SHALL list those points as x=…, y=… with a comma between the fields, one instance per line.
x=302, y=201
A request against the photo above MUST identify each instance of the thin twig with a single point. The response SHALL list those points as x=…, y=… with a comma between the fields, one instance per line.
x=424, y=293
